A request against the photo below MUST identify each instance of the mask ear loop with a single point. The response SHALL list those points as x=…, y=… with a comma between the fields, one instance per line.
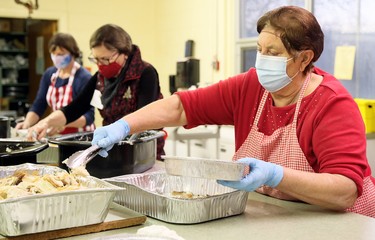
x=291, y=78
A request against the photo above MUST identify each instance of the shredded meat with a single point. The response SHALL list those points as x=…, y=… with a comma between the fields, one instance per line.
x=24, y=184
x=186, y=195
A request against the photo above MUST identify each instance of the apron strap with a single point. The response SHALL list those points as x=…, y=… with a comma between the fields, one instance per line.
x=300, y=97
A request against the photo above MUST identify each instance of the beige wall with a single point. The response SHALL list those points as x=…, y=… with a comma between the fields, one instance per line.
x=159, y=27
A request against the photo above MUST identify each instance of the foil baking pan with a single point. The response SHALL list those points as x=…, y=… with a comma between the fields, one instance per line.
x=204, y=168
x=45, y=212
x=152, y=194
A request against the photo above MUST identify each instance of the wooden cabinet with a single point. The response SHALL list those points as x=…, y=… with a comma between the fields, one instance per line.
x=14, y=64
x=24, y=55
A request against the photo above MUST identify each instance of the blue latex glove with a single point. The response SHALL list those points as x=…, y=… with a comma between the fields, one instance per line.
x=105, y=137
x=261, y=173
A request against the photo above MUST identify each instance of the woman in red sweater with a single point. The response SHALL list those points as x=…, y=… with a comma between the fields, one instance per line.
x=296, y=127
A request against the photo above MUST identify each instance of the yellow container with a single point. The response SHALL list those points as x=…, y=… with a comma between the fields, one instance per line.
x=367, y=109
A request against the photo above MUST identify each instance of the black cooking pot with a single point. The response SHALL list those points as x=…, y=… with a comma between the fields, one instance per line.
x=14, y=152
x=135, y=156
x=6, y=122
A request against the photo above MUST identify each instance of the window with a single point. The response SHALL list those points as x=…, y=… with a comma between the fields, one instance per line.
x=352, y=24
x=344, y=23
x=249, y=13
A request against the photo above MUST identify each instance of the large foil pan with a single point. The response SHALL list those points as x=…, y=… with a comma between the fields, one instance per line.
x=151, y=194
x=45, y=212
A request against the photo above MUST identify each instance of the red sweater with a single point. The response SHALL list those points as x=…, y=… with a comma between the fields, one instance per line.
x=330, y=128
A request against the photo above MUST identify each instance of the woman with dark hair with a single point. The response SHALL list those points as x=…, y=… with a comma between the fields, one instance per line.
x=290, y=127
x=59, y=85
x=123, y=84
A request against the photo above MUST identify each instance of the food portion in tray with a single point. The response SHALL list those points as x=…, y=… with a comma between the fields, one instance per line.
x=187, y=195
x=23, y=183
x=44, y=198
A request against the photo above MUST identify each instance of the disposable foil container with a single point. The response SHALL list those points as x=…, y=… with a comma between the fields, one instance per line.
x=204, y=168
x=45, y=212
x=151, y=194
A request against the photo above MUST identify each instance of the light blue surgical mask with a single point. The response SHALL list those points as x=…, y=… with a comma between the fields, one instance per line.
x=61, y=61
x=271, y=72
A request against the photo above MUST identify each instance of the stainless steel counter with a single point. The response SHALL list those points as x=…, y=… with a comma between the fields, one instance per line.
x=269, y=218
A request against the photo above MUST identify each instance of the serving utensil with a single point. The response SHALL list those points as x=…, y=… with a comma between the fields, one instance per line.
x=132, y=138
x=81, y=158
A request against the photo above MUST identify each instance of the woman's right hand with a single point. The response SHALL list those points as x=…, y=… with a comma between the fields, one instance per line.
x=19, y=126
x=105, y=137
x=38, y=131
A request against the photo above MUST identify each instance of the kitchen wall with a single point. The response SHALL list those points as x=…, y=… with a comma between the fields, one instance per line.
x=159, y=27
x=371, y=153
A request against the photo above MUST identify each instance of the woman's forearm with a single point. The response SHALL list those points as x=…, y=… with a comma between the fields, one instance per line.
x=166, y=112
x=80, y=122
x=30, y=119
x=55, y=119
x=331, y=191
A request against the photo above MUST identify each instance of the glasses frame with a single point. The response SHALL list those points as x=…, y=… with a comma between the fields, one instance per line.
x=103, y=61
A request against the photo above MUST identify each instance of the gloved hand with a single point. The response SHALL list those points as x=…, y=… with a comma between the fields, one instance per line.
x=261, y=173
x=105, y=137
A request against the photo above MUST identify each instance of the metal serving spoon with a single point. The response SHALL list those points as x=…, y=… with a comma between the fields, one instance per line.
x=132, y=138
x=81, y=158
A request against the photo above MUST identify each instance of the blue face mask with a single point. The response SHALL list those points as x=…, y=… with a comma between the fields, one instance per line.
x=271, y=72
x=61, y=61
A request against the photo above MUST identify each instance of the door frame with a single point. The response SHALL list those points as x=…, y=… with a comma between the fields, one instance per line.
x=60, y=17
x=22, y=13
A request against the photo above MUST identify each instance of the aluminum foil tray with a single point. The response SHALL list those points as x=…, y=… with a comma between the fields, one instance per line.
x=45, y=212
x=204, y=168
x=151, y=194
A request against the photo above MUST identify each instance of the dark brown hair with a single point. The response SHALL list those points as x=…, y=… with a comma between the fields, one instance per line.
x=64, y=40
x=112, y=37
x=298, y=28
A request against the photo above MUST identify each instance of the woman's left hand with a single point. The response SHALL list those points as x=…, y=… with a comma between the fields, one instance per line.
x=261, y=173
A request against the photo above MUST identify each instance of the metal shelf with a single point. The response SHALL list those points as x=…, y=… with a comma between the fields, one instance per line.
x=23, y=84
x=14, y=34
x=13, y=51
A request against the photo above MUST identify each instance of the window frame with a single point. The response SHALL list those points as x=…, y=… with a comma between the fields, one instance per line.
x=249, y=43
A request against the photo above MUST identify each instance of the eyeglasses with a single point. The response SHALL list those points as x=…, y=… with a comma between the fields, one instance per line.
x=103, y=61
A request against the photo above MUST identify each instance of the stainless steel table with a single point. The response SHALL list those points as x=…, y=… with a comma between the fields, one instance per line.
x=268, y=218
